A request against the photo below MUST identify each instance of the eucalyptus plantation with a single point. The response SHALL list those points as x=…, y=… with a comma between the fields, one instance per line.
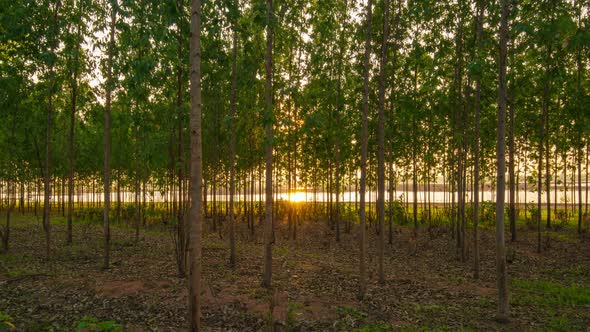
x=238, y=165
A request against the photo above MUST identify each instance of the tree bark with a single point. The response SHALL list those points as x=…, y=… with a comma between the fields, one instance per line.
x=268, y=227
x=511, y=172
x=107, y=139
x=182, y=234
x=364, y=143
x=47, y=187
x=503, y=310
x=479, y=33
x=232, y=141
x=196, y=171
x=381, y=142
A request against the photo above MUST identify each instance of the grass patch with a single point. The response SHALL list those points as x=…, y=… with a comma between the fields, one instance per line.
x=6, y=322
x=12, y=259
x=546, y=293
x=568, y=237
x=281, y=251
x=457, y=279
x=571, y=274
x=89, y=323
x=351, y=319
x=485, y=302
x=376, y=327
x=17, y=273
x=435, y=329
x=313, y=255
x=561, y=324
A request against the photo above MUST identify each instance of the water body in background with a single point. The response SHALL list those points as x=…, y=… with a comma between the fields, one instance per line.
x=436, y=197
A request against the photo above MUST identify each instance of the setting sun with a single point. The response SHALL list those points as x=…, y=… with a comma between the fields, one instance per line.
x=297, y=197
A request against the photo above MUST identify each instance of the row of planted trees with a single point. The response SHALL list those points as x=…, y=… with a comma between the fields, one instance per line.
x=329, y=96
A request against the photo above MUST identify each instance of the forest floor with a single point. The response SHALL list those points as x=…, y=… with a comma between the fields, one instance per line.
x=315, y=282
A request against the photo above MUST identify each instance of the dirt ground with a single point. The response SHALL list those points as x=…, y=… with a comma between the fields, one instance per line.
x=315, y=282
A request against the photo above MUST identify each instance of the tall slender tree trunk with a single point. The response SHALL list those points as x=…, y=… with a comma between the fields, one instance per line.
x=268, y=227
x=547, y=166
x=232, y=141
x=107, y=139
x=542, y=128
x=579, y=125
x=339, y=109
x=479, y=35
x=457, y=133
x=47, y=188
x=137, y=186
x=364, y=148
x=253, y=202
x=511, y=172
x=71, y=142
x=381, y=142
x=392, y=182
x=182, y=234
x=118, y=196
x=414, y=170
x=586, y=180
x=503, y=310
x=196, y=172
x=579, y=157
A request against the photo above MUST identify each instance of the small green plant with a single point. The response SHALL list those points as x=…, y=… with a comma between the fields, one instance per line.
x=377, y=327
x=457, y=279
x=488, y=212
x=6, y=323
x=292, y=313
x=560, y=324
x=533, y=212
x=92, y=324
x=435, y=329
x=551, y=294
x=430, y=308
x=350, y=318
x=397, y=211
x=352, y=312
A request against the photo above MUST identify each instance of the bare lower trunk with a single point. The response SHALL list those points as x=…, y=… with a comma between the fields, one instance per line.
x=381, y=143
x=5, y=232
x=511, y=174
x=579, y=157
x=268, y=227
x=196, y=172
x=476, y=268
x=503, y=310
x=107, y=142
x=47, y=189
x=364, y=143
x=232, y=112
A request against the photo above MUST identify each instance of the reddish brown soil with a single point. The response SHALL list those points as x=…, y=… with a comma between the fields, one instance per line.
x=315, y=282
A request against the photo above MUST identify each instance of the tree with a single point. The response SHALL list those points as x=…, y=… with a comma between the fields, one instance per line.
x=381, y=141
x=53, y=40
x=477, y=101
x=503, y=312
x=232, y=144
x=196, y=172
x=107, y=137
x=364, y=143
x=269, y=118
x=74, y=98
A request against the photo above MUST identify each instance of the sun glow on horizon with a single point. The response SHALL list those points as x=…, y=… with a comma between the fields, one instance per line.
x=297, y=197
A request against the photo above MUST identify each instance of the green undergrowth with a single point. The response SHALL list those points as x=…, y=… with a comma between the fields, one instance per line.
x=550, y=294
x=436, y=329
x=93, y=324
x=572, y=274
x=6, y=323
